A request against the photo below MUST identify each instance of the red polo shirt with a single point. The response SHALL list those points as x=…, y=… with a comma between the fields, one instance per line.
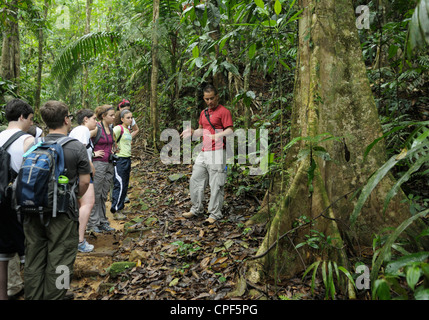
x=221, y=119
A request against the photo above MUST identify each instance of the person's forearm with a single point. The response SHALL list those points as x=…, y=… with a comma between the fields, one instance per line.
x=225, y=132
x=197, y=133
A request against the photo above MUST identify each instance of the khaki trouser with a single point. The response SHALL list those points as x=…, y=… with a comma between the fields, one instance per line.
x=50, y=253
x=103, y=179
x=14, y=280
x=208, y=169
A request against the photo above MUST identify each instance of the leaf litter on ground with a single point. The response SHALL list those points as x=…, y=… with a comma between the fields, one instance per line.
x=172, y=257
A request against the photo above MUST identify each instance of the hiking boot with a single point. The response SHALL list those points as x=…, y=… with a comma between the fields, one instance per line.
x=94, y=229
x=84, y=246
x=119, y=216
x=209, y=220
x=188, y=215
x=69, y=296
x=106, y=227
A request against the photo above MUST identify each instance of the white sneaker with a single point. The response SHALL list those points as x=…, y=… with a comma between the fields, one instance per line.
x=84, y=246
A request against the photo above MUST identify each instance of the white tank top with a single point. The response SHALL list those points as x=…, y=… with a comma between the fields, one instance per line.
x=16, y=150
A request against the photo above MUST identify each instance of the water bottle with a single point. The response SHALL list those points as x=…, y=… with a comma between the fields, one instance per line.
x=63, y=194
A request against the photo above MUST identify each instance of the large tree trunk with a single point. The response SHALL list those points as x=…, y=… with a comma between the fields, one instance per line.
x=331, y=95
x=11, y=56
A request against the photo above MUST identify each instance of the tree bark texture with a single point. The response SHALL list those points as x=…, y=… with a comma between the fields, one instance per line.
x=11, y=57
x=40, y=59
x=154, y=76
x=85, y=93
x=332, y=95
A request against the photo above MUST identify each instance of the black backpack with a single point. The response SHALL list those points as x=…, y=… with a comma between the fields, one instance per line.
x=7, y=174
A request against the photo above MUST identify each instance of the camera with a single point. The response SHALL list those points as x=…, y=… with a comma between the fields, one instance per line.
x=113, y=158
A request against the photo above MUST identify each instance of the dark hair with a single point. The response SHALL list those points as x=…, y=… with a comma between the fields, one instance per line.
x=16, y=108
x=81, y=114
x=53, y=113
x=210, y=88
x=124, y=103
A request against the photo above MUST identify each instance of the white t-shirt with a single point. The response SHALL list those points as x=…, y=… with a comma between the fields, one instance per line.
x=82, y=134
x=16, y=150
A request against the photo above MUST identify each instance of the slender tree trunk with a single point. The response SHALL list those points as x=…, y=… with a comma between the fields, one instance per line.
x=11, y=57
x=331, y=95
x=246, y=78
x=40, y=60
x=154, y=76
x=85, y=94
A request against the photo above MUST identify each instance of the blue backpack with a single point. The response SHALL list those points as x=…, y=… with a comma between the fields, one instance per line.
x=36, y=187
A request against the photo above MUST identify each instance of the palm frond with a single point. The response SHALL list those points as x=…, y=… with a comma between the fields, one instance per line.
x=80, y=52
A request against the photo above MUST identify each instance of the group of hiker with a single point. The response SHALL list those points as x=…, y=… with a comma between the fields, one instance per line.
x=44, y=238
x=96, y=161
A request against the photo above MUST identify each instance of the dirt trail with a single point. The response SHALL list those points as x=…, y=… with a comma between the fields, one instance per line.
x=90, y=268
x=172, y=257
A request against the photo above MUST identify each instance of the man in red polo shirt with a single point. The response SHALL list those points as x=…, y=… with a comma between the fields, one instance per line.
x=210, y=164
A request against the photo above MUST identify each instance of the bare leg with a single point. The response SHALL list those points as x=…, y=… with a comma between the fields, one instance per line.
x=86, y=204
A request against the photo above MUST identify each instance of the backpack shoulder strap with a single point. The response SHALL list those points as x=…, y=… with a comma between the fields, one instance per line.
x=208, y=118
x=64, y=140
x=122, y=132
x=97, y=135
x=13, y=138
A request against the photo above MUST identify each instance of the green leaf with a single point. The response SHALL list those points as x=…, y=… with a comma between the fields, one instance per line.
x=230, y=67
x=284, y=64
x=381, y=290
x=252, y=51
x=413, y=276
x=423, y=233
x=403, y=125
x=392, y=192
x=269, y=23
x=195, y=52
x=348, y=275
x=65, y=68
x=313, y=266
x=331, y=280
x=385, y=250
x=422, y=294
x=199, y=62
x=277, y=7
x=295, y=16
x=223, y=42
x=375, y=179
x=325, y=278
x=393, y=267
x=260, y=4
